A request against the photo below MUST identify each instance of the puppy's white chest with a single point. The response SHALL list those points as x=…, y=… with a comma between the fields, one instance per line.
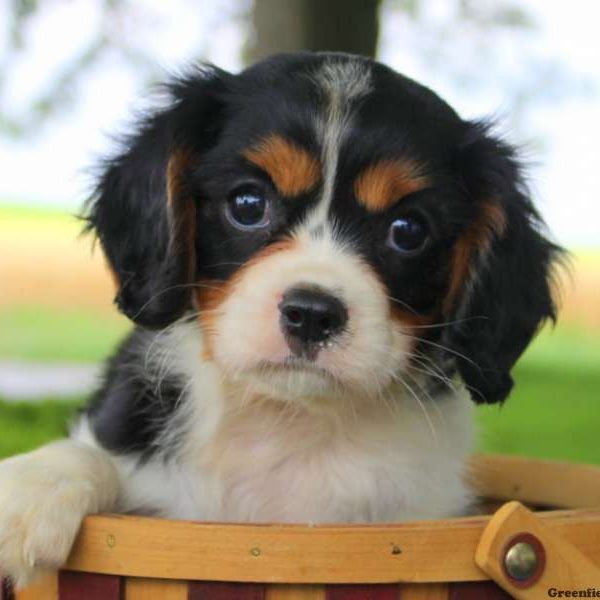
x=300, y=471
x=272, y=465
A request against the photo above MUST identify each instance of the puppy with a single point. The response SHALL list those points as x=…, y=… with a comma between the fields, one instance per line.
x=325, y=264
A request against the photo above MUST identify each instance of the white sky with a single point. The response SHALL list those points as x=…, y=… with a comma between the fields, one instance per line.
x=561, y=130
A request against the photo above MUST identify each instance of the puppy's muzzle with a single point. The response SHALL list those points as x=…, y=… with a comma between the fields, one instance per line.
x=310, y=317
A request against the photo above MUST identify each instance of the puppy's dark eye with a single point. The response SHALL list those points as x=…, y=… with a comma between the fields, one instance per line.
x=248, y=209
x=408, y=235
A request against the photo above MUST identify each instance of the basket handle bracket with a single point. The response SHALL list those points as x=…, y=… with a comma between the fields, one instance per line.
x=528, y=560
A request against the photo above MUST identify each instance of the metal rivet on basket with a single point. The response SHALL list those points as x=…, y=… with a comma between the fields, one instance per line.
x=255, y=551
x=111, y=542
x=521, y=561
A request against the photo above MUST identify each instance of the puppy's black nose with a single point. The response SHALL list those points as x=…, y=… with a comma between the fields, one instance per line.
x=310, y=316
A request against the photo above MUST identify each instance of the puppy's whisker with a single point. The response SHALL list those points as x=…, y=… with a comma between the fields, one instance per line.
x=419, y=402
x=449, y=323
x=399, y=302
x=428, y=362
x=446, y=349
x=158, y=337
x=429, y=368
x=224, y=264
x=170, y=289
x=433, y=375
x=432, y=402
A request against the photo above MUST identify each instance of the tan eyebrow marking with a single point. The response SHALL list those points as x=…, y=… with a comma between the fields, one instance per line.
x=293, y=169
x=383, y=183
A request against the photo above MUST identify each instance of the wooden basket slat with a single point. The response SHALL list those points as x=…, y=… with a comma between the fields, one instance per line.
x=218, y=590
x=479, y=590
x=295, y=592
x=144, y=547
x=362, y=592
x=89, y=586
x=424, y=591
x=155, y=589
x=44, y=589
x=426, y=560
x=536, y=482
x=6, y=592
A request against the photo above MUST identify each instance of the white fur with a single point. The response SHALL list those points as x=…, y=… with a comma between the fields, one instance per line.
x=262, y=460
x=343, y=83
x=44, y=495
x=248, y=343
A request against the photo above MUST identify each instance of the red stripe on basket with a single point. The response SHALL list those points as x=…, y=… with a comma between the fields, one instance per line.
x=362, y=592
x=6, y=592
x=212, y=590
x=91, y=586
x=477, y=590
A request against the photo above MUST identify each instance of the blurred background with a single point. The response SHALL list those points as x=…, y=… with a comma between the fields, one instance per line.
x=73, y=72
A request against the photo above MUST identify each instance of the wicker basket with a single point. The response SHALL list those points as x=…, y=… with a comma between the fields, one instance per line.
x=136, y=558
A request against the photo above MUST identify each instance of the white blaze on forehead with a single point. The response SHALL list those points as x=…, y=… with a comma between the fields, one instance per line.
x=343, y=81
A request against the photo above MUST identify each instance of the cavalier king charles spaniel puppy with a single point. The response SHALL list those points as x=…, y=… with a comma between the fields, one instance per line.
x=326, y=266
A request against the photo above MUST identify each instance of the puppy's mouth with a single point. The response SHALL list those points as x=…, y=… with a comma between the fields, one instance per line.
x=295, y=364
x=293, y=377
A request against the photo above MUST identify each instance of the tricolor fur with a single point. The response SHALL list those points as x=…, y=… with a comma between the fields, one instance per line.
x=299, y=364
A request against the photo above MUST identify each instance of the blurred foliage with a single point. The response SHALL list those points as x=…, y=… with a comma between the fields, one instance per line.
x=495, y=14
x=22, y=10
x=485, y=14
x=62, y=92
x=473, y=25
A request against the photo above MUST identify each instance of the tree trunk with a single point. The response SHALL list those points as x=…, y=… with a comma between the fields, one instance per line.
x=291, y=25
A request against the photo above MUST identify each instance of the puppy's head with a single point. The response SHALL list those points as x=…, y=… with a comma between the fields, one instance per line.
x=333, y=226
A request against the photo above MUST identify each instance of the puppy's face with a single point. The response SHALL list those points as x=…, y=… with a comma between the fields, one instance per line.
x=336, y=228
x=320, y=239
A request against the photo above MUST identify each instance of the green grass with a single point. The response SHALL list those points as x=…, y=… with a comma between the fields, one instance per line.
x=24, y=426
x=554, y=411
x=42, y=221
x=58, y=335
x=39, y=212
x=553, y=414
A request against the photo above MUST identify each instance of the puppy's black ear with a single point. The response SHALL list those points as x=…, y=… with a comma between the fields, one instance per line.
x=141, y=211
x=501, y=276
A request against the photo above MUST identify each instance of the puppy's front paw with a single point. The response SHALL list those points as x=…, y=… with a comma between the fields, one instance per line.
x=41, y=509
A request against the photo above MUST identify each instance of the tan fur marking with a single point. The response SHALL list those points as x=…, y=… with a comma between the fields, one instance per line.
x=181, y=207
x=382, y=184
x=210, y=294
x=476, y=241
x=179, y=162
x=292, y=169
x=408, y=318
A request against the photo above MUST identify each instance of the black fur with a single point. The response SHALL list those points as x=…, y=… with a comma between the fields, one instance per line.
x=129, y=208
x=512, y=285
x=138, y=397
